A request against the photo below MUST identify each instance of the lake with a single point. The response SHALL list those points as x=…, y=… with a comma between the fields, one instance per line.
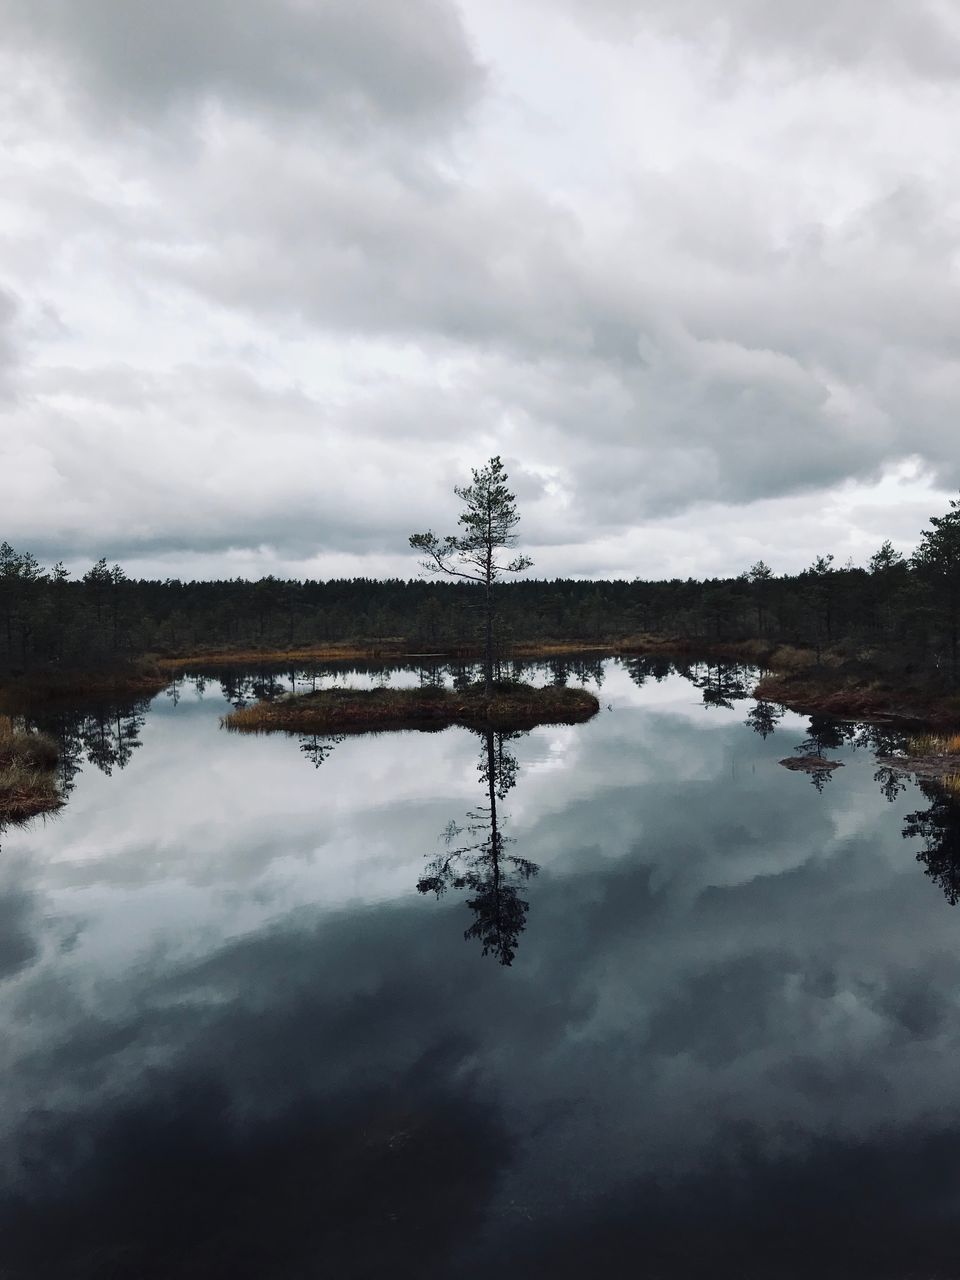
x=625, y=998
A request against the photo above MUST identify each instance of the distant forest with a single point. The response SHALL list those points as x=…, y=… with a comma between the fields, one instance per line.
x=905, y=607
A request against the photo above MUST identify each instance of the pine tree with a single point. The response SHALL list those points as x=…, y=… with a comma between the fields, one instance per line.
x=488, y=524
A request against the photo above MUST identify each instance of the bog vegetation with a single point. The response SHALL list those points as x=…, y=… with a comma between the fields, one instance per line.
x=901, y=613
x=28, y=761
x=362, y=710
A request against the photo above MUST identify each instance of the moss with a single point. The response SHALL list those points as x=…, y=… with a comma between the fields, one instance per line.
x=363, y=710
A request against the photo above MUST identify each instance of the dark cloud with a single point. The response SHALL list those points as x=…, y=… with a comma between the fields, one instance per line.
x=351, y=61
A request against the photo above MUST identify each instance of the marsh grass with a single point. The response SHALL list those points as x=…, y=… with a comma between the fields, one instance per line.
x=27, y=779
x=934, y=744
x=367, y=710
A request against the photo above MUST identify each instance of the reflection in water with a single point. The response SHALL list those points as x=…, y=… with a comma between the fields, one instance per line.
x=276, y=1066
x=823, y=734
x=105, y=735
x=892, y=783
x=645, y=667
x=721, y=683
x=482, y=866
x=939, y=828
x=317, y=747
x=763, y=718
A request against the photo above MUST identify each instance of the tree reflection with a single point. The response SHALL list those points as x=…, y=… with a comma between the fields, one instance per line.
x=721, y=684
x=823, y=734
x=317, y=747
x=939, y=828
x=482, y=865
x=104, y=735
x=643, y=667
x=882, y=741
x=111, y=739
x=764, y=718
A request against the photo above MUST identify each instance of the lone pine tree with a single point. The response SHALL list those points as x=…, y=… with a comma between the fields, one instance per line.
x=488, y=523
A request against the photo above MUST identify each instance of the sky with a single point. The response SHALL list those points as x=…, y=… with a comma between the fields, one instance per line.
x=275, y=274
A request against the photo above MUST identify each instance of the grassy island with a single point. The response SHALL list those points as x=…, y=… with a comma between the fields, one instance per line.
x=511, y=706
x=27, y=780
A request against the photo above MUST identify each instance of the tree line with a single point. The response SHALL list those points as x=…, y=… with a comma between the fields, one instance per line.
x=903, y=609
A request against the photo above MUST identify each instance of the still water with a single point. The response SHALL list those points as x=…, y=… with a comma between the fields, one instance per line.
x=619, y=999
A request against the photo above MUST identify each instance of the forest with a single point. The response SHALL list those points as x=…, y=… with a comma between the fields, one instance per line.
x=902, y=611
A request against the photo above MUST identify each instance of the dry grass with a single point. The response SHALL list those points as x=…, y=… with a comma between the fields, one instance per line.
x=391, y=648
x=786, y=657
x=27, y=782
x=367, y=710
x=309, y=653
x=20, y=746
x=750, y=652
x=934, y=744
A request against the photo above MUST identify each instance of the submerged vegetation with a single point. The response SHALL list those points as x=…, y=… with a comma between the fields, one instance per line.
x=366, y=710
x=28, y=780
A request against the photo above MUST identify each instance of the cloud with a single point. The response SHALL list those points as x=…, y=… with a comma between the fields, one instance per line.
x=343, y=253
x=920, y=38
x=9, y=346
x=366, y=62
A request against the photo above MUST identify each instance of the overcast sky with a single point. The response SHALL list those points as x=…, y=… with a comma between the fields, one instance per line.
x=275, y=273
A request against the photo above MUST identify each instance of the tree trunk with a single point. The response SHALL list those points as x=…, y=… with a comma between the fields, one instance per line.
x=488, y=644
x=494, y=836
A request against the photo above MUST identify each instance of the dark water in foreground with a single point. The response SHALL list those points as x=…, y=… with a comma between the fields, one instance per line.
x=705, y=1021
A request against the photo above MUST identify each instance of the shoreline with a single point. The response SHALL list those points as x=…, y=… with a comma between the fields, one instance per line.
x=796, y=678
x=851, y=699
x=386, y=652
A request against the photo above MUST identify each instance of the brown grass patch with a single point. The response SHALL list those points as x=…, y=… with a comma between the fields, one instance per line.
x=308, y=653
x=934, y=744
x=368, y=710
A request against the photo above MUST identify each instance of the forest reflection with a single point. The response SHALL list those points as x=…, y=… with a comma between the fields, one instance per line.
x=477, y=857
x=105, y=735
x=938, y=826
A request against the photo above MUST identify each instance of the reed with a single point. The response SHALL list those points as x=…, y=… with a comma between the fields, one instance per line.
x=934, y=744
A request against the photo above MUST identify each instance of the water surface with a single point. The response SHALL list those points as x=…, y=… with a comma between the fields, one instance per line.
x=624, y=998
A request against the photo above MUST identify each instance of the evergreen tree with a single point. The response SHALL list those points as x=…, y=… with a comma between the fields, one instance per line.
x=938, y=560
x=488, y=523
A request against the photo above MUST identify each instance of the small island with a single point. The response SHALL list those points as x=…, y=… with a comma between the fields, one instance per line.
x=507, y=706
x=811, y=764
